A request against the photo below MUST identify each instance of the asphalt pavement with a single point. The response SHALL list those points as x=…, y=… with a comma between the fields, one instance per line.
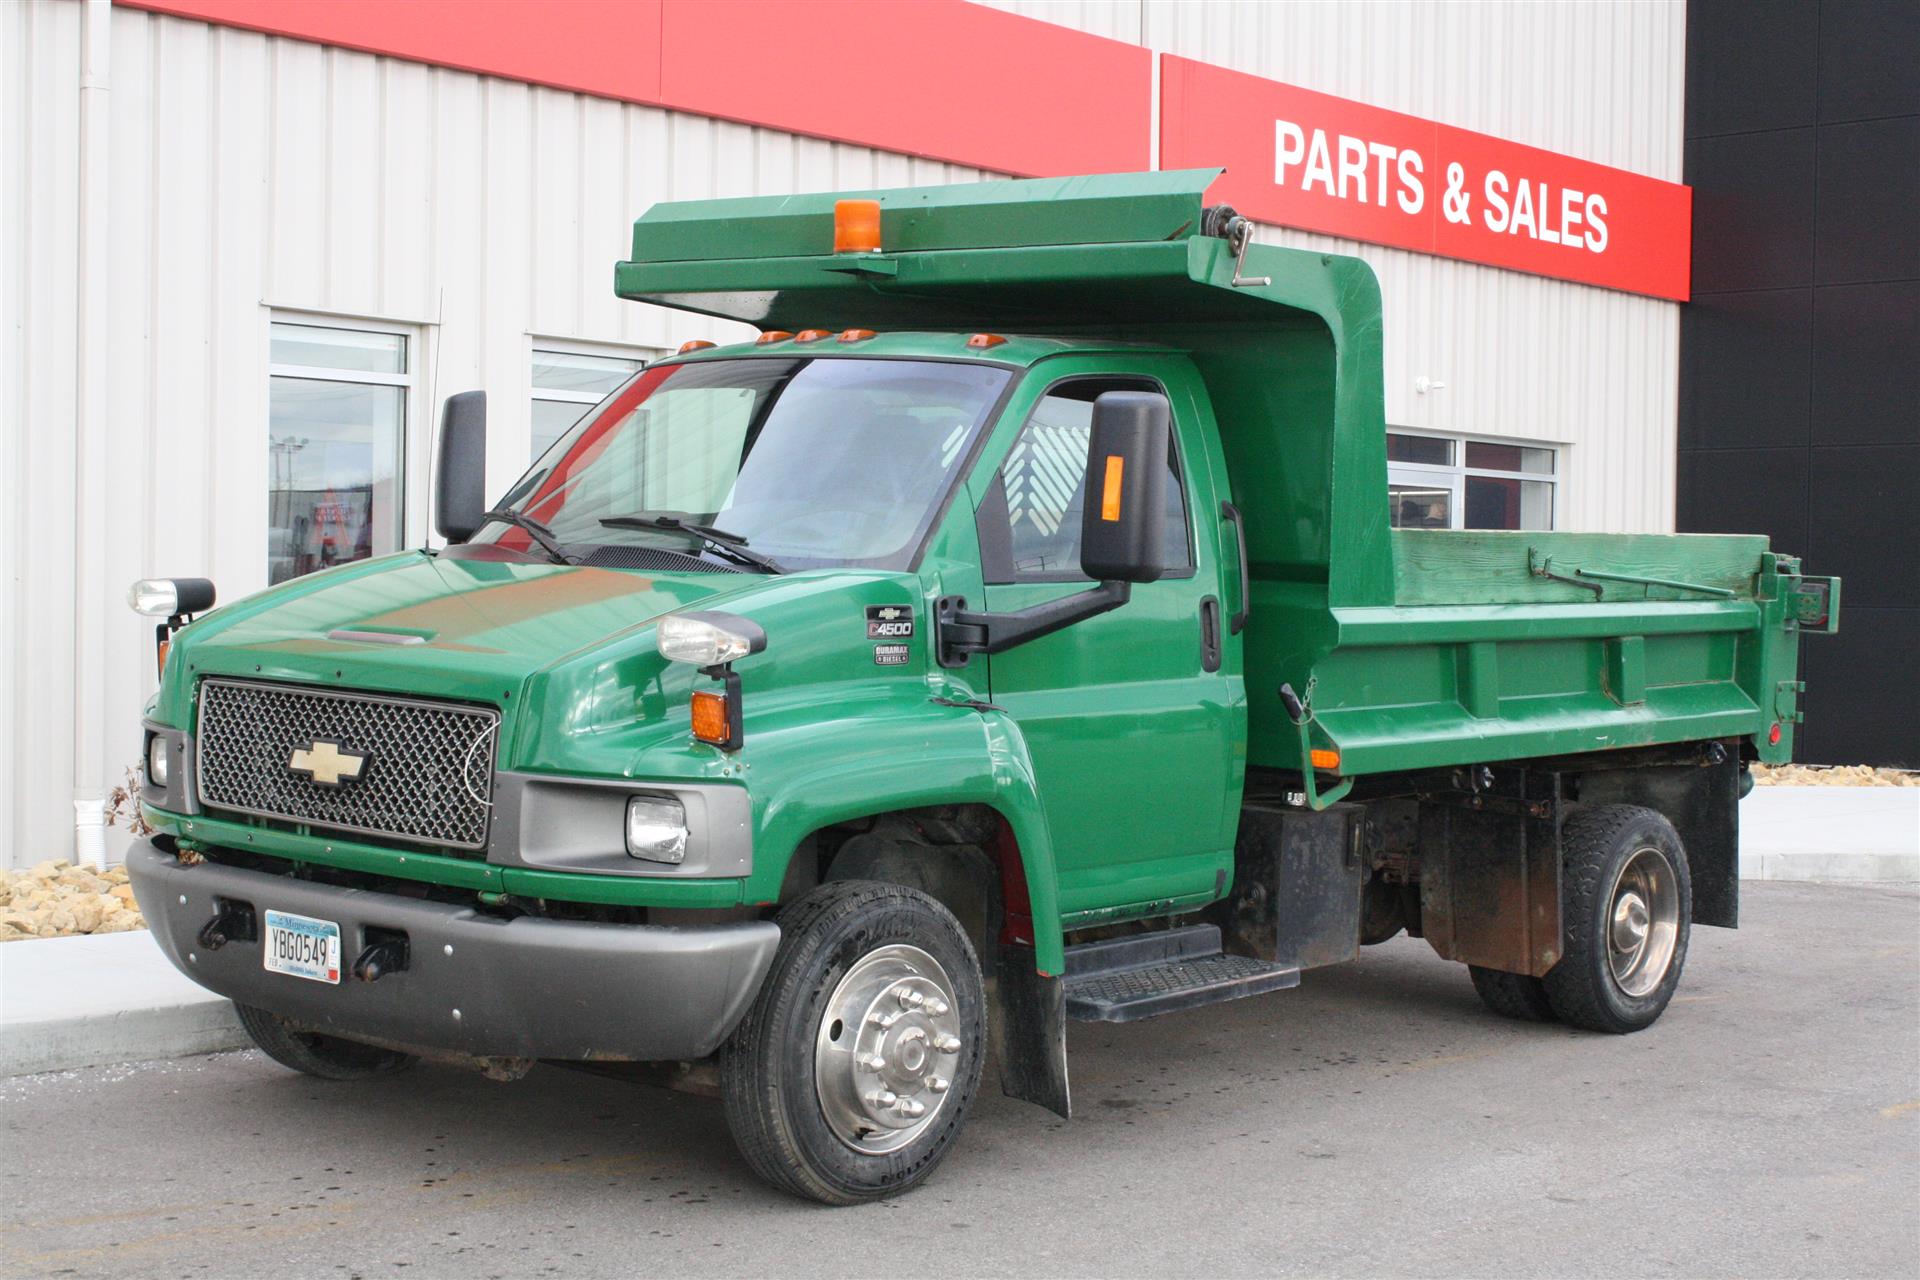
x=1376, y=1121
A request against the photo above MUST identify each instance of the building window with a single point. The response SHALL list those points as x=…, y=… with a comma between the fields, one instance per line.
x=1450, y=482
x=568, y=383
x=336, y=443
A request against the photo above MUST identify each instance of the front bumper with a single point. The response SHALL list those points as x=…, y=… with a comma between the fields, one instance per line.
x=475, y=984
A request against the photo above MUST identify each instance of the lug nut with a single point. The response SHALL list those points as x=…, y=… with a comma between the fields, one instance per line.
x=910, y=1108
x=947, y=1044
x=884, y=1020
x=909, y=998
x=874, y=1062
x=937, y=1084
x=882, y=1100
x=937, y=1007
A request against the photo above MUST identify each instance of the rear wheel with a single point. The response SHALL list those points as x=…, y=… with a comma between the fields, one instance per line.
x=1626, y=902
x=1512, y=995
x=850, y=1076
x=328, y=1057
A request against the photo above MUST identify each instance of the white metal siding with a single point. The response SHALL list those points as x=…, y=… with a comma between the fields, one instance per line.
x=1520, y=355
x=250, y=173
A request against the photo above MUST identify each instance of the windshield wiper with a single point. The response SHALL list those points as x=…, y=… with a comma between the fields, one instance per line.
x=730, y=545
x=535, y=530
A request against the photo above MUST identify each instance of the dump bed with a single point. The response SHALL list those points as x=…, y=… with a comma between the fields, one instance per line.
x=1410, y=649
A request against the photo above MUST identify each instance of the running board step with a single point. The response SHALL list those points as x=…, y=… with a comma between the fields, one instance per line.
x=1148, y=974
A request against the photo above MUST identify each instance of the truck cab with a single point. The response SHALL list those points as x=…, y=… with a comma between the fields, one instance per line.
x=1010, y=634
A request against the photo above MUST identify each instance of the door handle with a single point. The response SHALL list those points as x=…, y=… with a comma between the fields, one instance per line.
x=1231, y=514
x=1210, y=634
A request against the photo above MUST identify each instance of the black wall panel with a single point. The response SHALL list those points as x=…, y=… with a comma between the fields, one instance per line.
x=1750, y=357
x=1799, y=392
x=1866, y=363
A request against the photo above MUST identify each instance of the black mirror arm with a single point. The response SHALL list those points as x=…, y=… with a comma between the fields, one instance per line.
x=959, y=632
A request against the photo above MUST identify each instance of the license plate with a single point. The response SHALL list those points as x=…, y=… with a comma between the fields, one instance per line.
x=303, y=947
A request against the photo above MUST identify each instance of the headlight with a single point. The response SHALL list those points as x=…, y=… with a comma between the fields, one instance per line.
x=709, y=639
x=157, y=761
x=656, y=829
x=170, y=597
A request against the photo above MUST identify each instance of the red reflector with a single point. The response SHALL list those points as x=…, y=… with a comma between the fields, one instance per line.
x=772, y=335
x=694, y=344
x=1773, y=735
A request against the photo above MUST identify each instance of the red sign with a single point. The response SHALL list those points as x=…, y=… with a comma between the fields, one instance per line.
x=1309, y=160
x=937, y=78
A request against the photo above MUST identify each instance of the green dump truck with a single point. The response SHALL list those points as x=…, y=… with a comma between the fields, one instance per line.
x=1012, y=634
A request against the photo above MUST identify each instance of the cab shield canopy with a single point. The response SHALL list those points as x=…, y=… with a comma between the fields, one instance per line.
x=1035, y=255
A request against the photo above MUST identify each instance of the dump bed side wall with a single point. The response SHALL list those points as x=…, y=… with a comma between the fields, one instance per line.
x=1480, y=659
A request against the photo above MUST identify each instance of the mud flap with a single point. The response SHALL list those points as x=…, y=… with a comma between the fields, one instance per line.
x=1028, y=1009
x=1490, y=874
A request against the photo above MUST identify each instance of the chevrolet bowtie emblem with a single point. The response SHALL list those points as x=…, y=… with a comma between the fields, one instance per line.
x=325, y=763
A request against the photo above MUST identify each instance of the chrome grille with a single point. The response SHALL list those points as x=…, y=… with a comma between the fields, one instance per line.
x=427, y=771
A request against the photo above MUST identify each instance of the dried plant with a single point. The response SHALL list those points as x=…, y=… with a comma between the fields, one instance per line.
x=123, y=805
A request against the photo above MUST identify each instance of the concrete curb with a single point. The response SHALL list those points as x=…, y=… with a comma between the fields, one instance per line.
x=100, y=999
x=1830, y=833
x=92, y=1001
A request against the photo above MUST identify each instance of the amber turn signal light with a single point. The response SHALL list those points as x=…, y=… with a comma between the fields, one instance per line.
x=855, y=335
x=711, y=721
x=772, y=335
x=981, y=341
x=694, y=344
x=1325, y=759
x=856, y=226
x=812, y=335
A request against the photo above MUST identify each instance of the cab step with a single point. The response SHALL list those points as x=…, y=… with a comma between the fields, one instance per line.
x=1148, y=974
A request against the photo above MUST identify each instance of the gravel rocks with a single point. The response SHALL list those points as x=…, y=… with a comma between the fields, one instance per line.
x=1832, y=775
x=55, y=899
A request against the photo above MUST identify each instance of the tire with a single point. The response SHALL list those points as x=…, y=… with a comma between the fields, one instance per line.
x=1624, y=861
x=328, y=1057
x=806, y=1116
x=1512, y=995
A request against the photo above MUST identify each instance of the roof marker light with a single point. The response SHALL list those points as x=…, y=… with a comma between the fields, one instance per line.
x=694, y=344
x=981, y=341
x=812, y=335
x=856, y=226
x=772, y=335
x=855, y=335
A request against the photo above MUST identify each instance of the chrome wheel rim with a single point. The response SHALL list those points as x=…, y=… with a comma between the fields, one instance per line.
x=887, y=1049
x=1643, y=922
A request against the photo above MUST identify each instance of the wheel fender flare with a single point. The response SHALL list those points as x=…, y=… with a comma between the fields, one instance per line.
x=942, y=755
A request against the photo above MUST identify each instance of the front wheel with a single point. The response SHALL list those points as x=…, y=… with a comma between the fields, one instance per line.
x=328, y=1057
x=851, y=1074
x=1626, y=901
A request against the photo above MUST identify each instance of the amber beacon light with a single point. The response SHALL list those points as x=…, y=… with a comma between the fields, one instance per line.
x=856, y=226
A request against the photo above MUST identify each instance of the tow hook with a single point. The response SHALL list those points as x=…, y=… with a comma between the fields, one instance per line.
x=232, y=923
x=388, y=955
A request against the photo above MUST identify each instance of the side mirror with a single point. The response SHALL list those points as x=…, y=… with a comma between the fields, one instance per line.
x=460, y=467
x=1123, y=525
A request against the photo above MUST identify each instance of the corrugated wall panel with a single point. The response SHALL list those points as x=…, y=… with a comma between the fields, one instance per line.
x=1522, y=356
x=250, y=173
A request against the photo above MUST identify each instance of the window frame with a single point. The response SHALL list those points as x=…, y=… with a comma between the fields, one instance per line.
x=536, y=343
x=1453, y=476
x=993, y=523
x=415, y=451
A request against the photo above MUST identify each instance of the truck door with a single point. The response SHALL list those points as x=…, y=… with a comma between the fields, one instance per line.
x=1132, y=717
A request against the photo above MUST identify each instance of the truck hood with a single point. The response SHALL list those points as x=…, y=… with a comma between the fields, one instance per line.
x=478, y=623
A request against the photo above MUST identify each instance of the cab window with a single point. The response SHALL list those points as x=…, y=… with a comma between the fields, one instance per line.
x=1029, y=522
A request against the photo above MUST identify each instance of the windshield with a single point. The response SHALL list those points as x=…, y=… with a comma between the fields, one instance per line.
x=808, y=462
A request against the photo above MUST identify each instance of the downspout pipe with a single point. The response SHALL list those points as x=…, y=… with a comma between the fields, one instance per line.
x=91, y=293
